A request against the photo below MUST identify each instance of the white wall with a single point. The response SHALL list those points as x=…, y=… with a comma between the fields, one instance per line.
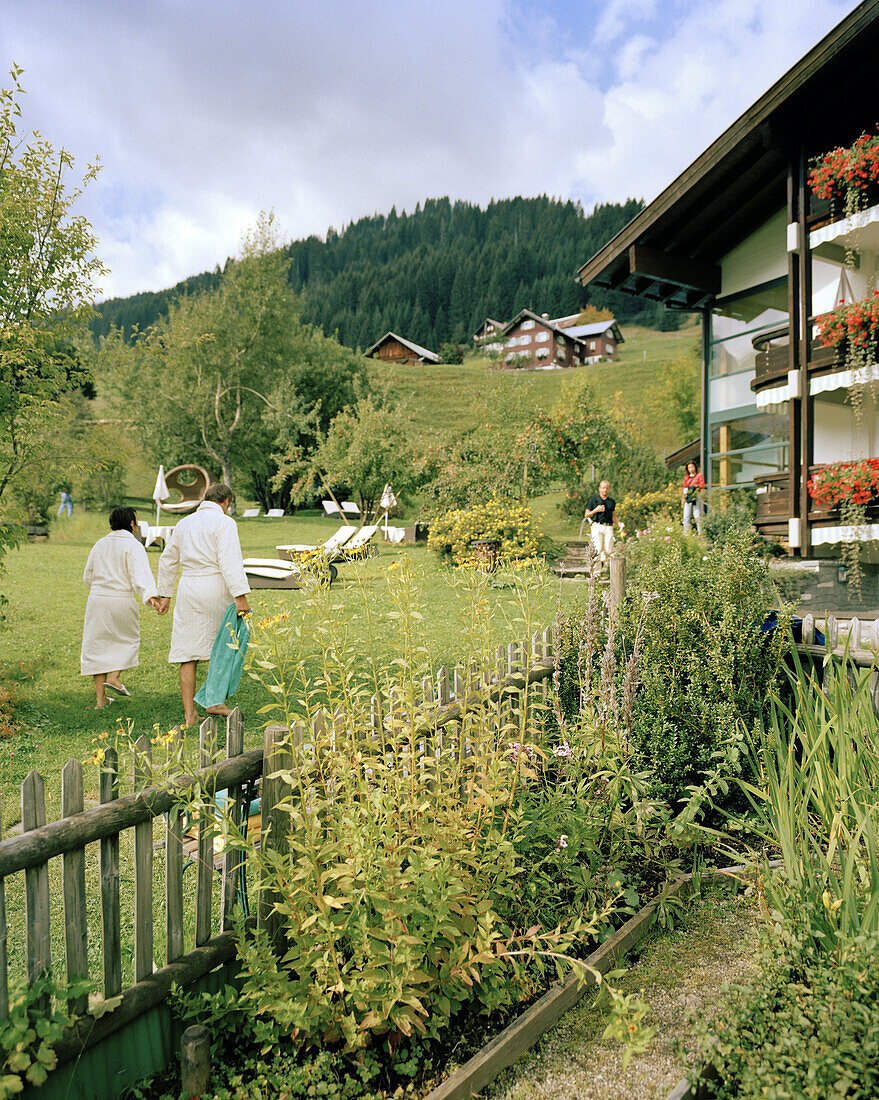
x=763, y=256
x=839, y=437
x=731, y=392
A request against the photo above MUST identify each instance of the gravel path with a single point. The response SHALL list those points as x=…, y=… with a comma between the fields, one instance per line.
x=680, y=974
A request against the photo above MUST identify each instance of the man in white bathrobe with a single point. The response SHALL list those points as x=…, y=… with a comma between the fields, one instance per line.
x=205, y=548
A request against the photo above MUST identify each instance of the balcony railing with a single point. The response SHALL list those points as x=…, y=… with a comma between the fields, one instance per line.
x=772, y=363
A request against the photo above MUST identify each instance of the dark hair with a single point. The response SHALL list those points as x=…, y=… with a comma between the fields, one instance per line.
x=217, y=492
x=122, y=518
x=694, y=462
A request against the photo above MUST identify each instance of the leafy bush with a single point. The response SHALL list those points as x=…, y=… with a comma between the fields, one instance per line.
x=686, y=667
x=731, y=515
x=707, y=668
x=513, y=524
x=638, y=510
x=808, y=1024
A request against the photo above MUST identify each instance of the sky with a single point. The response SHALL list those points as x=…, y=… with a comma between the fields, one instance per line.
x=204, y=113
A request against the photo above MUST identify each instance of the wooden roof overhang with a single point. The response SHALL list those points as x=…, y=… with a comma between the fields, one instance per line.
x=670, y=251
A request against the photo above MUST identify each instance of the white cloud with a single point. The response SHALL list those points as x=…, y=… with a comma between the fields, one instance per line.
x=207, y=112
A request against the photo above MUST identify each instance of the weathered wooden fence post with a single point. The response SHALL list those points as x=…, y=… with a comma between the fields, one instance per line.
x=207, y=742
x=4, y=973
x=143, y=867
x=277, y=757
x=195, y=1061
x=73, y=879
x=110, y=915
x=174, y=871
x=617, y=582
x=36, y=884
x=238, y=813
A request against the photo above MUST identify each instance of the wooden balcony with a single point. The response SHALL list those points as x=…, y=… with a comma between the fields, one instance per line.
x=773, y=505
x=772, y=362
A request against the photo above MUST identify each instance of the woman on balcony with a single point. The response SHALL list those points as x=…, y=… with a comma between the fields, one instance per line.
x=691, y=494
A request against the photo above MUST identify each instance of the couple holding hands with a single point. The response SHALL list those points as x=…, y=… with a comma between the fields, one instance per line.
x=204, y=548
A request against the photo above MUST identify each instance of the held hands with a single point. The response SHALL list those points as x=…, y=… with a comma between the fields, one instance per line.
x=162, y=604
x=154, y=602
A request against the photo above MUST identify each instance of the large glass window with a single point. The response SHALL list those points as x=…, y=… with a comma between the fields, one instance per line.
x=749, y=431
x=735, y=321
x=728, y=471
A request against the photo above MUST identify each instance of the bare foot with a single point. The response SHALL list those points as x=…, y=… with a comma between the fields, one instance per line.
x=221, y=710
x=191, y=719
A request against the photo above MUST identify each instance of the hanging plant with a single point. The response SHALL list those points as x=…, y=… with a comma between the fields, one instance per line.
x=846, y=176
x=849, y=486
x=852, y=327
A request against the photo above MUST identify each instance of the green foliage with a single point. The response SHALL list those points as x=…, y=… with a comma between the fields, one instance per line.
x=584, y=443
x=707, y=669
x=626, y=1024
x=232, y=377
x=367, y=448
x=47, y=273
x=808, y=1023
x=638, y=510
x=38, y=1017
x=451, y=353
x=513, y=524
x=397, y=901
x=432, y=275
x=731, y=515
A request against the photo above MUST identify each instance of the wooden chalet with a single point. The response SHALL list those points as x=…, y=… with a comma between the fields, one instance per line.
x=739, y=238
x=534, y=342
x=602, y=338
x=395, y=349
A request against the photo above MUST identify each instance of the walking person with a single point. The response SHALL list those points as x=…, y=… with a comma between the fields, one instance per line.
x=600, y=513
x=118, y=574
x=692, y=496
x=66, y=506
x=205, y=548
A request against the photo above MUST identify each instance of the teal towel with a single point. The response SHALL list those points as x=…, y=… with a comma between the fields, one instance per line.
x=227, y=660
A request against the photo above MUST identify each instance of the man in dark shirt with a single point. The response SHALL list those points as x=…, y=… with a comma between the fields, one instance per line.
x=599, y=512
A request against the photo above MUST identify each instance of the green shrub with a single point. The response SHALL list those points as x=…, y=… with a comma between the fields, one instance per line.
x=638, y=510
x=730, y=515
x=513, y=524
x=807, y=1025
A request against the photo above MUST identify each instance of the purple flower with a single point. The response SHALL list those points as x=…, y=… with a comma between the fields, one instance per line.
x=563, y=751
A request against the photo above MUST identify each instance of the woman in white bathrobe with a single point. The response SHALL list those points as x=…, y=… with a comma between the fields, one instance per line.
x=118, y=574
x=205, y=549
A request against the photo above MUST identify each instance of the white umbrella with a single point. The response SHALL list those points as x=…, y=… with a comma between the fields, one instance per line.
x=160, y=492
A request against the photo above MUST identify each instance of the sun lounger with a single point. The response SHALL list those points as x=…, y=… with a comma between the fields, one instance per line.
x=349, y=508
x=329, y=548
x=272, y=573
x=275, y=513
x=360, y=545
x=251, y=513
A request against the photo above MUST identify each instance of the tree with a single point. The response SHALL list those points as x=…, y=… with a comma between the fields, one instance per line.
x=367, y=448
x=47, y=274
x=232, y=375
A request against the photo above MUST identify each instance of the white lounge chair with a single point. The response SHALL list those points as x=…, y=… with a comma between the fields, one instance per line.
x=275, y=513
x=349, y=508
x=360, y=545
x=329, y=548
x=251, y=513
x=272, y=573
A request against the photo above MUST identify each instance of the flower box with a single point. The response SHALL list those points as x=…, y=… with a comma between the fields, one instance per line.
x=845, y=482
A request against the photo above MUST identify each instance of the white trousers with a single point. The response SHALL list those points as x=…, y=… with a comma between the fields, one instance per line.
x=602, y=539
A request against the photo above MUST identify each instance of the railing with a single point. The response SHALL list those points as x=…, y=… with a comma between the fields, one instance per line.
x=772, y=361
x=446, y=699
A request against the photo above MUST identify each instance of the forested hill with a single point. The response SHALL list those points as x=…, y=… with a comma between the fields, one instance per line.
x=433, y=275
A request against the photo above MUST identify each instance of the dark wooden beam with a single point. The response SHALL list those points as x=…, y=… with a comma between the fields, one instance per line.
x=682, y=271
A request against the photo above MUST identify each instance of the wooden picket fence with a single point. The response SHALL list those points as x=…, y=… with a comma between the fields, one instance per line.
x=447, y=699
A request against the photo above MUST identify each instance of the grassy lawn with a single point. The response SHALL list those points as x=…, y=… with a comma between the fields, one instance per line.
x=447, y=400
x=55, y=717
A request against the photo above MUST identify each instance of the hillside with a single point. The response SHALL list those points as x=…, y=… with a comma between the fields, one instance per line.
x=433, y=275
x=444, y=401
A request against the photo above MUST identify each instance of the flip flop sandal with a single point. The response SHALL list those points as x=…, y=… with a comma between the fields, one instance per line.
x=120, y=690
